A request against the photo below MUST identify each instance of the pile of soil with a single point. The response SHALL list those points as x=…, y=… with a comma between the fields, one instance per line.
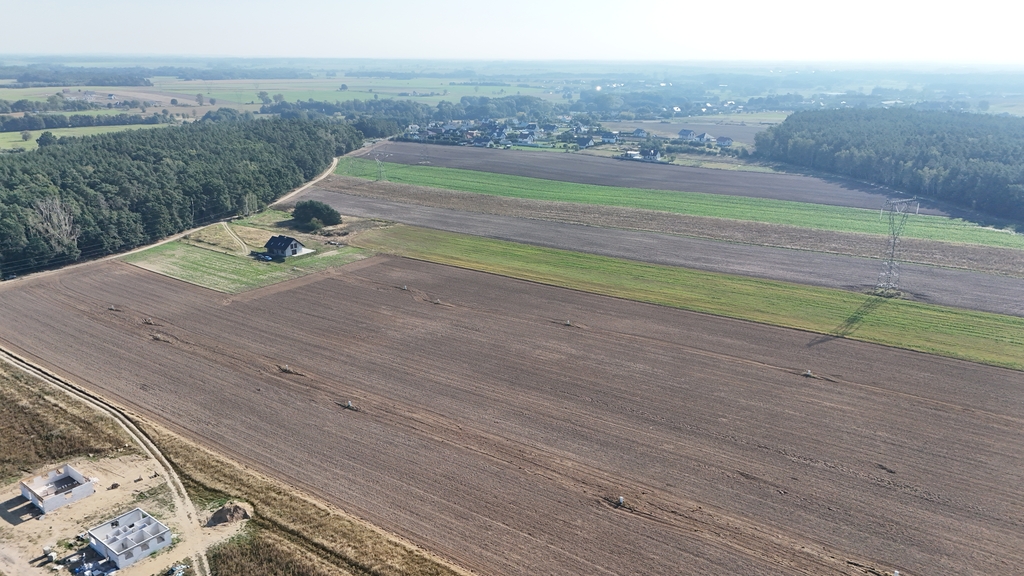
x=227, y=514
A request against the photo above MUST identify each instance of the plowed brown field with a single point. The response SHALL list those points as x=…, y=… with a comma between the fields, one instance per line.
x=495, y=433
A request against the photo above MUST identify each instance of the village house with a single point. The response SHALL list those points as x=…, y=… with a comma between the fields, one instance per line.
x=705, y=137
x=284, y=246
x=651, y=155
x=585, y=142
x=724, y=141
x=688, y=135
x=640, y=133
x=609, y=138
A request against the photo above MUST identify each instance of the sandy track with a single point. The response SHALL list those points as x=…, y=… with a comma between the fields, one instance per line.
x=492, y=433
x=959, y=288
x=610, y=172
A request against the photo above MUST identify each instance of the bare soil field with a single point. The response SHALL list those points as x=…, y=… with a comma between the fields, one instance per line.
x=493, y=432
x=930, y=284
x=610, y=172
x=921, y=251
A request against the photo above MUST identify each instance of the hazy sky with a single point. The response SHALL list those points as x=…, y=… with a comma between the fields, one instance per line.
x=978, y=32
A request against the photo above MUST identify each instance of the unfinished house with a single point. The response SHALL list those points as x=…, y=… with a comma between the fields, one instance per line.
x=56, y=488
x=129, y=538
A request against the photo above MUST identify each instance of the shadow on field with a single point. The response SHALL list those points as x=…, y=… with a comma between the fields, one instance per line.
x=852, y=322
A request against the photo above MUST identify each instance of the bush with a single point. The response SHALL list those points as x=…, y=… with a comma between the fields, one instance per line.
x=308, y=210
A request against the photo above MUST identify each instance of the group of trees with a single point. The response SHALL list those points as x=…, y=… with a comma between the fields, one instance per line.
x=51, y=121
x=387, y=117
x=55, y=103
x=971, y=160
x=95, y=195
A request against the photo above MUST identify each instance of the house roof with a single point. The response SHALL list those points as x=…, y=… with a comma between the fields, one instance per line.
x=584, y=141
x=686, y=132
x=280, y=242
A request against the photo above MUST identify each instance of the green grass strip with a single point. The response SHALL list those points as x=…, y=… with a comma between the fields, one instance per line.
x=976, y=336
x=800, y=214
x=230, y=273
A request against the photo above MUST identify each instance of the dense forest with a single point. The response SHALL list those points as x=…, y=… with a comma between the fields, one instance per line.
x=971, y=160
x=89, y=196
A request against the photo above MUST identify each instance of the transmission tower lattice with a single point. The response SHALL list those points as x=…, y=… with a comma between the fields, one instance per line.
x=889, y=278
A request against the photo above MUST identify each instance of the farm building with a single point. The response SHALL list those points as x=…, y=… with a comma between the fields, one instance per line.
x=58, y=487
x=284, y=246
x=129, y=538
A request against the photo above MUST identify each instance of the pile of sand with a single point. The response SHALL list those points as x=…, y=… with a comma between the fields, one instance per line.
x=227, y=514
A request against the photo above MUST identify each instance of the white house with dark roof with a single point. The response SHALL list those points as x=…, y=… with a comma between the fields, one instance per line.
x=688, y=135
x=58, y=487
x=284, y=246
x=705, y=137
x=129, y=538
x=724, y=141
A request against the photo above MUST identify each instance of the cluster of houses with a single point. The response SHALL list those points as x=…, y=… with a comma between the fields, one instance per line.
x=490, y=133
x=485, y=133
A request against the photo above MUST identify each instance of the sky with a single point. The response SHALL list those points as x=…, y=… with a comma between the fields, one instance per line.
x=982, y=32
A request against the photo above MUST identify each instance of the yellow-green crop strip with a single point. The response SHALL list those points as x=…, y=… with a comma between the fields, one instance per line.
x=975, y=336
x=800, y=214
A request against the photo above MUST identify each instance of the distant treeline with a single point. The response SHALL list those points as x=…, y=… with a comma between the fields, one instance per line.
x=971, y=160
x=51, y=104
x=89, y=196
x=42, y=75
x=386, y=117
x=51, y=121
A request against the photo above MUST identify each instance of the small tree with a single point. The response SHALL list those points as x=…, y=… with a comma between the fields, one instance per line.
x=264, y=97
x=174, y=101
x=46, y=139
x=278, y=98
x=26, y=135
x=213, y=101
x=308, y=210
x=199, y=99
x=344, y=87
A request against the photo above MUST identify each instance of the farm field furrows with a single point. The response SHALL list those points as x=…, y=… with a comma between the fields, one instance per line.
x=494, y=432
x=931, y=284
x=584, y=169
x=798, y=214
x=991, y=259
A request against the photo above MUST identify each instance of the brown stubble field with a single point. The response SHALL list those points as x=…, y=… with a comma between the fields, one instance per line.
x=491, y=432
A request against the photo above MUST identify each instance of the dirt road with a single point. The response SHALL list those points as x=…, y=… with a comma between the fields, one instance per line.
x=491, y=432
x=959, y=288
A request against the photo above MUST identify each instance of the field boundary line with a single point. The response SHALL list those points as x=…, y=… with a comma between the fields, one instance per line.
x=181, y=499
